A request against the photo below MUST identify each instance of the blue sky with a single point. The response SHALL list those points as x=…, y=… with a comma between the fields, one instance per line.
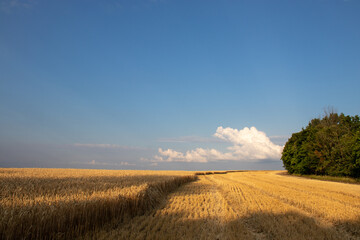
x=105, y=84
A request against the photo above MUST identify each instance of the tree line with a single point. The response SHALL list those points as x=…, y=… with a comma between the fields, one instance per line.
x=327, y=146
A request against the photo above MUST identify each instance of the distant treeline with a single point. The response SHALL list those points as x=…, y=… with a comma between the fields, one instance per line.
x=327, y=146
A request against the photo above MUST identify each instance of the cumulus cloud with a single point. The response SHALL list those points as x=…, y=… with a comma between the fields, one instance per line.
x=248, y=144
x=197, y=155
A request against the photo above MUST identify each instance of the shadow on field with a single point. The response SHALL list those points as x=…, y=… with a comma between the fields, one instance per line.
x=293, y=225
x=184, y=225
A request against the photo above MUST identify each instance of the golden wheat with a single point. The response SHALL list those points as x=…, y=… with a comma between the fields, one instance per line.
x=62, y=203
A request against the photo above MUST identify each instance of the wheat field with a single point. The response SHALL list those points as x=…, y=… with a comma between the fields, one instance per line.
x=95, y=204
x=64, y=203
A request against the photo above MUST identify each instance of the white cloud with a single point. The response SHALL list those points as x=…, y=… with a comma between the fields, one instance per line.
x=197, y=155
x=93, y=162
x=248, y=144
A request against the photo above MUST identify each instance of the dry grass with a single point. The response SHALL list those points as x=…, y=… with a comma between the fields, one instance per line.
x=63, y=203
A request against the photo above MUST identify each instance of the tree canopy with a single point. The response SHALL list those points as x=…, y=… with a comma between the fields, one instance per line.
x=327, y=146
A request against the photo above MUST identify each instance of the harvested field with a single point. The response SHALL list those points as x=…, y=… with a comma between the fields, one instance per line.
x=250, y=205
x=95, y=204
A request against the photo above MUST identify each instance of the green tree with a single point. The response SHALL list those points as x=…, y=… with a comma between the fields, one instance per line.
x=327, y=146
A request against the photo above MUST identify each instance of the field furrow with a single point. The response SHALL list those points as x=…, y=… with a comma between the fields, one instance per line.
x=306, y=187
x=341, y=212
x=267, y=215
x=341, y=215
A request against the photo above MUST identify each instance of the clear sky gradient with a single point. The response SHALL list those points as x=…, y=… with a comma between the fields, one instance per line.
x=146, y=84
